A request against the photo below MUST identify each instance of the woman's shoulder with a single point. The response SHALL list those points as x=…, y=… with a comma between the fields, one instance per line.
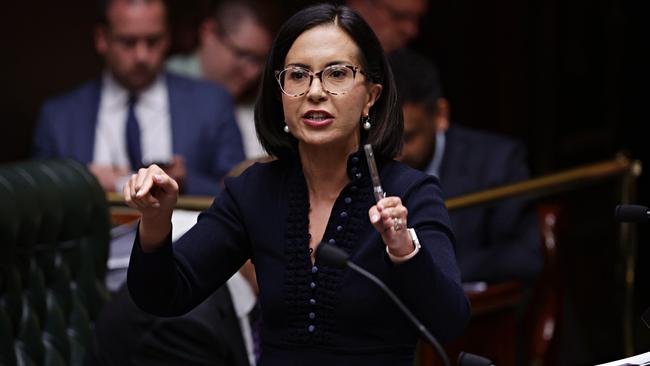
x=400, y=179
x=259, y=173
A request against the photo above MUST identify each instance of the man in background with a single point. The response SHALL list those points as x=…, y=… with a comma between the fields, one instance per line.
x=222, y=330
x=496, y=243
x=395, y=22
x=136, y=114
x=233, y=42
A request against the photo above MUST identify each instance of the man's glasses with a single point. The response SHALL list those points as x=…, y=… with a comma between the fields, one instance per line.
x=295, y=81
x=240, y=53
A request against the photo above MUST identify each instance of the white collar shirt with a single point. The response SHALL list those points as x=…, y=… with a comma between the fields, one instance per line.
x=154, y=120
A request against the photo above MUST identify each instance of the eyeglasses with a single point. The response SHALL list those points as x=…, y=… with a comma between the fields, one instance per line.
x=241, y=54
x=295, y=81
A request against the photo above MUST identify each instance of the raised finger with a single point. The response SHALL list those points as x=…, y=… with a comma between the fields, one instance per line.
x=126, y=192
x=387, y=202
x=142, y=176
x=375, y=218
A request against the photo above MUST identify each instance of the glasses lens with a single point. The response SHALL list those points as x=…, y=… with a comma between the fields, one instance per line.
x=294, y=80
x=338, y=79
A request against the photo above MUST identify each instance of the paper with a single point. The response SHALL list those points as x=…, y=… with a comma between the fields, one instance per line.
x=642, y=359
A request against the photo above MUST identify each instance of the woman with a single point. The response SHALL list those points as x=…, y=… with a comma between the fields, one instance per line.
x=326, y=90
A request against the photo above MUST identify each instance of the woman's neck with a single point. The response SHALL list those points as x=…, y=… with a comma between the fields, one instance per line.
x=325, y=170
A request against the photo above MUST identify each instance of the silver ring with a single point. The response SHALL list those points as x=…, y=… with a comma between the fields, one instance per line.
x=397, y=224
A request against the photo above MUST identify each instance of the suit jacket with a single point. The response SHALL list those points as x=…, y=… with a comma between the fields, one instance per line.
x=203, y=129
x=315, y=314
x=499, y=241
x=210, y=334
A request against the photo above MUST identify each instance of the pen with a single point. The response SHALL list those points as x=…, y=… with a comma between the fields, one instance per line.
x=374, y=175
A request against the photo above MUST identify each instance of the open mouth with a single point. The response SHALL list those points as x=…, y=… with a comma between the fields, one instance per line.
x=317, y=118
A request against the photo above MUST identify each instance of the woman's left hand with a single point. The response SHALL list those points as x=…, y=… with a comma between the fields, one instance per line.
x=389, y=217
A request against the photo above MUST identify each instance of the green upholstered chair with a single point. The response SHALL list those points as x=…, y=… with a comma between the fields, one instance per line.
x=54, y=237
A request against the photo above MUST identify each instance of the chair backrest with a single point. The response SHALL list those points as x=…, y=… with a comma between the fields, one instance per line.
x=54, y=238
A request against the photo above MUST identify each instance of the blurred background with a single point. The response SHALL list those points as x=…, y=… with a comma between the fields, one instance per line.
x=568, y=77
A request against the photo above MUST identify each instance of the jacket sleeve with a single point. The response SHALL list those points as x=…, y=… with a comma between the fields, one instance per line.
x=512, y=244
x=429, y=283
x=43, y=143
x=223, y=151
x=177, y=277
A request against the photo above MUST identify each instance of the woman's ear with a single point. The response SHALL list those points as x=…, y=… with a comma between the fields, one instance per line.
x=441, y=115
x=374, y=92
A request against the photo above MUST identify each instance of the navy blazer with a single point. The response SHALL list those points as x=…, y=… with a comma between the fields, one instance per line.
x=500, y=241
x=204, y=130
x=315, y=314
x=124, y=335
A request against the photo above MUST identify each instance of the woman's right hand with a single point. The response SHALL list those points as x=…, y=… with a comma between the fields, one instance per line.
x=152, y=192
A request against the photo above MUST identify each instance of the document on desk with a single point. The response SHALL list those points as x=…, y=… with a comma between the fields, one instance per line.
x=122, y=238
x=638, y=360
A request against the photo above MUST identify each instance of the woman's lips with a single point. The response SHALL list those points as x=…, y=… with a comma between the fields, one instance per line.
x=317, y=122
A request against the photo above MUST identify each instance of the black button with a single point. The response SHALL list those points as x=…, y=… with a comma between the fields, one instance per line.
x=314, y=269
x=312, y=316
x=311, y=328
x=358, y=175
x=354, y=169
x=354, y=160
x=339, y=228
x=312, y=284
x=332, y=241
x=344, y=215
x=347, y=200
x=312, y=301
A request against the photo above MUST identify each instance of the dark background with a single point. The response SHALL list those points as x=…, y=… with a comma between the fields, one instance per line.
x=568, y=77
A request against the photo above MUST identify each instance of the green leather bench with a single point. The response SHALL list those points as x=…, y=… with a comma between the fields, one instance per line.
x=54, y=238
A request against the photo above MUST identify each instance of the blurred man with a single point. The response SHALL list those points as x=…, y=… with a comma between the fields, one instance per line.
x=395, y=22
x=233, y=43
x=136, y=114
x=222, y=330
x=495, y=243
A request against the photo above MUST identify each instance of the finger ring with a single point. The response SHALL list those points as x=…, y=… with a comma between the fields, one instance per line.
x=397, y=224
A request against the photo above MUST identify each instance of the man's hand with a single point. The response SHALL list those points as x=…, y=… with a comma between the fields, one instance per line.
x=109, y=176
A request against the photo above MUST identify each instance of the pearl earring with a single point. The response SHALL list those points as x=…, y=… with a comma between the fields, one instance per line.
x=286, y=128
x=366, y=123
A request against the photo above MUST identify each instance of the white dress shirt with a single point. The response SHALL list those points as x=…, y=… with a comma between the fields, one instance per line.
x=243, y=300
x=154, y=120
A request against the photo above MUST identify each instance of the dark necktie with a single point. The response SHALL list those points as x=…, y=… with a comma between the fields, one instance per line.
x=133, y=148
x=255, y=319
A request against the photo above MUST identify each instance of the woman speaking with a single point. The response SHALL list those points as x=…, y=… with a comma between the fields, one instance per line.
x=326, y=91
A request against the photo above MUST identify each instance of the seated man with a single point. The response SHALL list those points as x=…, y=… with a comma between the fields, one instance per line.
x=136, y=114
x=222, y=330
x=233, y=42
x=494, y=243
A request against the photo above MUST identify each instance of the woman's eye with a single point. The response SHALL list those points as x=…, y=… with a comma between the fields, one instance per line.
x=337, y=74
x=297, y=75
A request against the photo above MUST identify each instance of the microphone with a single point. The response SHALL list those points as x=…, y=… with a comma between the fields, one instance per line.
x=468, y=359
x=336, y=257
x=631, y=213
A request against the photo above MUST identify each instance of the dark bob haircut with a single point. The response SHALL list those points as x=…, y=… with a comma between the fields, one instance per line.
x=386, y=115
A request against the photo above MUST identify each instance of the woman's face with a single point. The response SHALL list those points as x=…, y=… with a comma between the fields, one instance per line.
x=318, y=118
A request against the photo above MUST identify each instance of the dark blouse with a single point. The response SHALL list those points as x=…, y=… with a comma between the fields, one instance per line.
x=315, y=314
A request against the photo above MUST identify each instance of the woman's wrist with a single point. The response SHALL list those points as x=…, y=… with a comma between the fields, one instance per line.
x=152, y=233
x=415, y=248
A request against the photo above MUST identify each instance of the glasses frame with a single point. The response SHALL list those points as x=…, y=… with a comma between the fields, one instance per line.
x=241, y=54
x=319, y=75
